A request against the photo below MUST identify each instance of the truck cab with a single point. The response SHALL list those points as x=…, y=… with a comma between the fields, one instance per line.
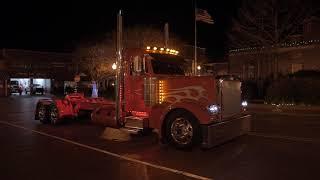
x=184, y=110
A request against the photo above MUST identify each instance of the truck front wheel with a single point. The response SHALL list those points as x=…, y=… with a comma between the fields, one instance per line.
x=183, y=129
x=42, y=113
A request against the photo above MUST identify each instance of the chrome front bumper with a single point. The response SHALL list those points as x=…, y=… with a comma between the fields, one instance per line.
x=220, y=132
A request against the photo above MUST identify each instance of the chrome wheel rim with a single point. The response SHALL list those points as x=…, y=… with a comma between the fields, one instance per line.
x=42, y=113
x=181, y=131
x=54, y=115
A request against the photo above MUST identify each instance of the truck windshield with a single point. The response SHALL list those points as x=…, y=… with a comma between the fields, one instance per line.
x=167, y=64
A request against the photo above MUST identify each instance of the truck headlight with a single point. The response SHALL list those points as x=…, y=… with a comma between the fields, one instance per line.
x=213, y=109
x=244, y=103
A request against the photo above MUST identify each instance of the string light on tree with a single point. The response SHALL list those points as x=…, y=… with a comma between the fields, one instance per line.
x=282, y=45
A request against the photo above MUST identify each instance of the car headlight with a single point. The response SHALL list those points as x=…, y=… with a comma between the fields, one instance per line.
x=244, y=103
x=213, y=109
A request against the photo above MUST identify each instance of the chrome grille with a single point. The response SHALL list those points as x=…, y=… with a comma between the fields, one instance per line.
x=150, y=91
x=230, y=95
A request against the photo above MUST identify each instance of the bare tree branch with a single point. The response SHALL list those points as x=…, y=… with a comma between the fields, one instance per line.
x=267, y=23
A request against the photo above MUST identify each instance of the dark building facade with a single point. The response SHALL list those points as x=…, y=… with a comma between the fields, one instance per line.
x=50, y=67
x=302, y=53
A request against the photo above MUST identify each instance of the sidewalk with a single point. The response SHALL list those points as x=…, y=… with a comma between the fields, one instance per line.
x=294, y=109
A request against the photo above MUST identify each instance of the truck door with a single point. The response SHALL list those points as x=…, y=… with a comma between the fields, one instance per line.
x=135, y=101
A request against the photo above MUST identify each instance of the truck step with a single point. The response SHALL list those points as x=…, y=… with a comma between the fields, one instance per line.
x=132, y=130
x=134, y=122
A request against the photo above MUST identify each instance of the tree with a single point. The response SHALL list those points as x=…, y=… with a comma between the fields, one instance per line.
x=266, y=26
x=96, y=58
x=267, y=23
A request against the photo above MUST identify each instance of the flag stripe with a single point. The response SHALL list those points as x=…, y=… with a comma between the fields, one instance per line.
x=200, y=16
x=206, y=21
x=204, y=13
x=204, y=16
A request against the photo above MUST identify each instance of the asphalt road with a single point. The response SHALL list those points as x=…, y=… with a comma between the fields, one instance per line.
x=280, y=146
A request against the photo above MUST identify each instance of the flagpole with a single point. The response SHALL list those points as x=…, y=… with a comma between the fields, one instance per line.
x=195, y=39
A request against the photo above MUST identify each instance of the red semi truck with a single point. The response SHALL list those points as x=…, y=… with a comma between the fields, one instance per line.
x=153, y=93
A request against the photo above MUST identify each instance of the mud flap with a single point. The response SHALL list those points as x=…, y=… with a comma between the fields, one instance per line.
x=221, y=132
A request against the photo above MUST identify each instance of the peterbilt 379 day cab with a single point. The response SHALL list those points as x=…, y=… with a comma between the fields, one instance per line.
x=155, y=94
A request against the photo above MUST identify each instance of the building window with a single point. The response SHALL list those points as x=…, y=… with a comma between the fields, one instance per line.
x=296, y=67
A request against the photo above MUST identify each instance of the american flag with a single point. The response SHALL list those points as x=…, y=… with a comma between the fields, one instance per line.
x=204, y=16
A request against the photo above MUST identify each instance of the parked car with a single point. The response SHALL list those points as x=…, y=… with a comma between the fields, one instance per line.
x=37, y=89
x=15, y=87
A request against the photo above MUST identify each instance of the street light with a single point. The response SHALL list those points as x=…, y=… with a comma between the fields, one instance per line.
x=114, y=66
x=199, y=68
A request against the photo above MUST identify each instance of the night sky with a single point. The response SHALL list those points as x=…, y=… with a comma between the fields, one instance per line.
x=59, y=26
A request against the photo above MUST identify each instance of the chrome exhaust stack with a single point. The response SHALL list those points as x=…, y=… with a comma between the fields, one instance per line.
x=119, y=72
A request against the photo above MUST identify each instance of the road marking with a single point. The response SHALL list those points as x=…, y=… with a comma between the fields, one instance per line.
x=184, y=173
x=284, y=137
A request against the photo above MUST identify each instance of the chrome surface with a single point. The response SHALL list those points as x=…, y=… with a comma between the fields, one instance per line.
x=54, y=115
x=229, y=98
x=119, y=70
x=221, y=132
x=181, y=131
x=42, y=113
x=150, y=91
x=134, y=122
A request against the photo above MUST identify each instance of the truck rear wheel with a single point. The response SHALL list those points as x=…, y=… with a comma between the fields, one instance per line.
x=53, y=114
x=42, y=113
x=183, y=129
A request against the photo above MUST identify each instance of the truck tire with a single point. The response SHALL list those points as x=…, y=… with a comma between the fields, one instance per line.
x=42, y=113
x=53, y=114
x=182, y=129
